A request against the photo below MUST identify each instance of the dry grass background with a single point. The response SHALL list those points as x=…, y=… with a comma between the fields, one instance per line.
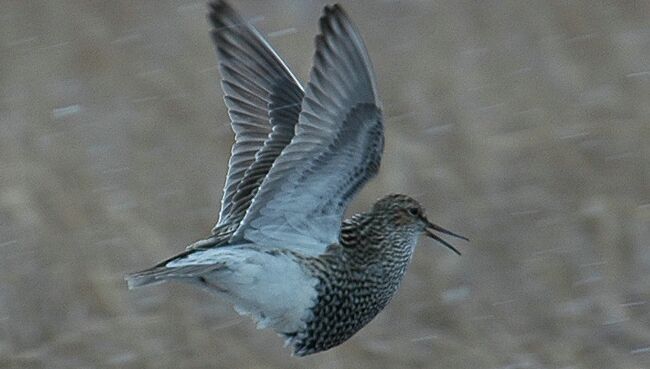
x=523, y=124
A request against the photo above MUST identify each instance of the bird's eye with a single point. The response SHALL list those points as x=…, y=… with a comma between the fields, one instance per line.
x=414, y=211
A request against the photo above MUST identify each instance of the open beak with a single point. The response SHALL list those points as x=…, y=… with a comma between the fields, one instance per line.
x=432, y=227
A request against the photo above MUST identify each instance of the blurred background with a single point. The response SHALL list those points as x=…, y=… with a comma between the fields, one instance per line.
x=521, y=124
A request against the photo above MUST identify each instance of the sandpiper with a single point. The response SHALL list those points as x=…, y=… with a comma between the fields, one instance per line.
x=281, y=251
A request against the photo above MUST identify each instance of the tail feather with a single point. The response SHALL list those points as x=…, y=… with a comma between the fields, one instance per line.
x=161, y=273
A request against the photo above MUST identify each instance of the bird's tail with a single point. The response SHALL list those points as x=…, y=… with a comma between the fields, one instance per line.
x=162, y=273
x=147, y=277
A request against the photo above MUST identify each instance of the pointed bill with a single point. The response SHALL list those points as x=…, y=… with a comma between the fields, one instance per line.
x=431, y=228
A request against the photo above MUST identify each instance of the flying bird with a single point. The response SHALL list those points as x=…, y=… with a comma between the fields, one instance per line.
x=281, y=251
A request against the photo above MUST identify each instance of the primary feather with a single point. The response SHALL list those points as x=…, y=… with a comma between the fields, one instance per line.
x=336, y=150
x=263, y=99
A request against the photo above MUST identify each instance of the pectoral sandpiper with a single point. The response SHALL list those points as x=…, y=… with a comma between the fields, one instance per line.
x=281, y=251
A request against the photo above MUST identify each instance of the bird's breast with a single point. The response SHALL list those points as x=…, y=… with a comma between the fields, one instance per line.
x=348, y=298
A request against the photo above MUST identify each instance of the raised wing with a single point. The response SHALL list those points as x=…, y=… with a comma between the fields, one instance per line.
x=337, y=148
x=263, y=99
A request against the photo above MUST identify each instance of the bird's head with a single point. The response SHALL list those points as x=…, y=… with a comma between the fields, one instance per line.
x=406, y=214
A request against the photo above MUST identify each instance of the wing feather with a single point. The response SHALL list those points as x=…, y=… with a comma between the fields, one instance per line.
x=263, y=99
x=336, y=150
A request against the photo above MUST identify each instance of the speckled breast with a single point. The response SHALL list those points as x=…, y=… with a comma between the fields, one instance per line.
x=347, y=301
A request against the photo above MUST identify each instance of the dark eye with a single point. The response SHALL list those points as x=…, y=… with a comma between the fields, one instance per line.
x=414, y=211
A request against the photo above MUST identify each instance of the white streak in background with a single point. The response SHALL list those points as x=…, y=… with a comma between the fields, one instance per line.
x=227, y=324
x=378, y=346
x=424, y=338
x=437, y=130
x=282, y=32
x=641, y=350
x=574, y=307
x=527, y=111
x=524, y=212
x=645, y=73
x=22, y=41
x=559, y=249
x=588, y=280
x=454, y=295
x=145, y=99
x=482, y=317
x=250, y=21
x=504, y=302
x=255, y=19
x=8, y=243
x=115, y=170
x=491, y=107
x=400, y=116
x=580, y=38
x=132, y=37
x=518, y=365
x=597, y=263
x=615, y=321
x=573, y=135
x=56, y=46
x=120, y=200
x=65, y=111
x=122, y=358
x=192, y=7
x=633, y=303
x=619, y=156
x=176, y=96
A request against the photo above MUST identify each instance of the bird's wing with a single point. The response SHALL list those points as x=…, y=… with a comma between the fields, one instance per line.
x=336, y=149
x=263, y=99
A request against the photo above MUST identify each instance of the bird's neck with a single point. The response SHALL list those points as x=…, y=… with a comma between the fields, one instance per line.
x=366, y=239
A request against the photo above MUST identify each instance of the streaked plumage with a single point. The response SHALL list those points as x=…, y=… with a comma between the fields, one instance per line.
x=280, y=251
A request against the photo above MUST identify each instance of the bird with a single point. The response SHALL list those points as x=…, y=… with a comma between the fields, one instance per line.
x=281, y=250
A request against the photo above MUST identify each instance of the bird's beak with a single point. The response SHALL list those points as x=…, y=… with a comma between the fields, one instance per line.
x=433, y=227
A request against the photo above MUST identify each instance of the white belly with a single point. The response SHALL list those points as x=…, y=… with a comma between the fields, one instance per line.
x=273, y=289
